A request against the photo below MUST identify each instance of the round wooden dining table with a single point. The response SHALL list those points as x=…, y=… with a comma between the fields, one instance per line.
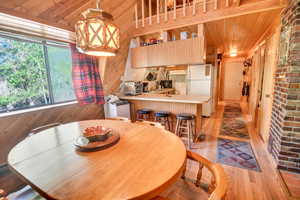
x=145, y=162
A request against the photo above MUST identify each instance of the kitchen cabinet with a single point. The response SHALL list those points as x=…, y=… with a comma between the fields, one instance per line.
x=139, y=57
x=190, y=51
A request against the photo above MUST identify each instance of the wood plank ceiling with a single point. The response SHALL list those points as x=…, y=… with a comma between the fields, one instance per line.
x=239, y=33
x=65, y=13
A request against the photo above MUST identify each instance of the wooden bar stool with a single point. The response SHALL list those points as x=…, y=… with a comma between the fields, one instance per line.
x=163, y=118
x=143, y=114
x=185, y=125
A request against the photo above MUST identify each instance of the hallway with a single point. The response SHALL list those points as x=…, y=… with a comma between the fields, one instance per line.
x=244, y=184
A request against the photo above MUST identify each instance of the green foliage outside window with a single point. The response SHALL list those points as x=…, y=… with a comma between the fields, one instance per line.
x=23, y=74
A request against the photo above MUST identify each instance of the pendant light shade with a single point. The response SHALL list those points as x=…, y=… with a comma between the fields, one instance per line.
x=96, y=35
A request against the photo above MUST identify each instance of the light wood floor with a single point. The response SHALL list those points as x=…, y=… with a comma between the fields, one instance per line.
x=245, y=184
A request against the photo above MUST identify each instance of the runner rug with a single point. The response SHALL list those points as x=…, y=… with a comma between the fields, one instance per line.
x=233, y=124
x=237, y=154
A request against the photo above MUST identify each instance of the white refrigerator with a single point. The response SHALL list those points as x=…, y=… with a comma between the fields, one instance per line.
x=201, y=80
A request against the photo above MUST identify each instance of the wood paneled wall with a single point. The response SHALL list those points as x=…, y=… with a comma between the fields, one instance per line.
x=15, y=128
x=262, y=82
x=123, y=12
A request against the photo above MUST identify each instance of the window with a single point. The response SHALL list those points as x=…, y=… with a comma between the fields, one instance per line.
x=60, y=66
x=33, y=73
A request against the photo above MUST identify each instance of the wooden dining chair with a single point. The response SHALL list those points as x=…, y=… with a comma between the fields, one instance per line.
x=44, y=127
x=119, y=118
x=187, y=188
x=26, y=193
x=149, y=123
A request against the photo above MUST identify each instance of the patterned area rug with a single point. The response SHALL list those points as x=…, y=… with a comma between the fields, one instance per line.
x=237, y=154
x=233, y=123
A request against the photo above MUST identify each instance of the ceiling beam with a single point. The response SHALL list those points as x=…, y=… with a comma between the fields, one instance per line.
x=213, y=15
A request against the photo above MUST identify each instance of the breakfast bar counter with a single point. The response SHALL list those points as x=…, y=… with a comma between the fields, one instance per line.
x=168, y=98
x=175, y=104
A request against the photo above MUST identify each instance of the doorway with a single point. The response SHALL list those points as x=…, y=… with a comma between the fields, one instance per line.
x=267, y=86
x=232, y=82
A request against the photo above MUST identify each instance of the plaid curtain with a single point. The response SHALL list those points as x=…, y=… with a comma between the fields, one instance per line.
x=86, y=78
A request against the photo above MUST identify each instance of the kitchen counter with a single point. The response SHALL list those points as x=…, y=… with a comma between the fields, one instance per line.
x=168, y=98
x=163, y=91
x=175, y=104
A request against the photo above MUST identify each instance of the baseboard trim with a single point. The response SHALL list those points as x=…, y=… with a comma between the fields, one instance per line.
x=286, y=188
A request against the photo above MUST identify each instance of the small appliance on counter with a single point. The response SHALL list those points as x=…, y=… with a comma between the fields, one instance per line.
x=145, y=87
x=132, y=88
x=166, y=84
x=114, y=107
x=149, y=86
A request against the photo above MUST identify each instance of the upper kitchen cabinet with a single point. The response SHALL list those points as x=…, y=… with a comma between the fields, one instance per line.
x=179, y=52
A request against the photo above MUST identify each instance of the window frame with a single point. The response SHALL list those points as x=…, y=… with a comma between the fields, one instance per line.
x=45, y=43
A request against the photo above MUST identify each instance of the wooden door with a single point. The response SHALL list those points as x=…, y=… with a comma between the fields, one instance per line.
x=233, y=77
x=268, y=86
x=256, y=85
x=261, y=72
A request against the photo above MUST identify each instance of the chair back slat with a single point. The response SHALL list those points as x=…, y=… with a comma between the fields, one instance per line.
x=219, y=182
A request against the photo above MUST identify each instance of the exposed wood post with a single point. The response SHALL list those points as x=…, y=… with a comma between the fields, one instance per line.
x=201, y=34
x=216, y=4
x=175, y=7
x=184, y=7
x=150, y=11
x=200, y=30
x=227, y=3
x=157, y=11
x=164, y=36
x=166, y=11
x=204, y=6
x=136, y=17
x=143, y=13
x=194, y=7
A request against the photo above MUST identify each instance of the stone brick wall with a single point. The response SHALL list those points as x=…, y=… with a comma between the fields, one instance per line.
x=284, y=142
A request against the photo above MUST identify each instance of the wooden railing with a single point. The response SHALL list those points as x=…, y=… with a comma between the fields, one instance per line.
x=160, y=15
x=188, y=7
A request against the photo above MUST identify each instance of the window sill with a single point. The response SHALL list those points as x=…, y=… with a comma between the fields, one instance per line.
x=18, y=112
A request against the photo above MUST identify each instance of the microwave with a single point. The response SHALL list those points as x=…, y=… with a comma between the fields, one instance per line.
x=133, y=88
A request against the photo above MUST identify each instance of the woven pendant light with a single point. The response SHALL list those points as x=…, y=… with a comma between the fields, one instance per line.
x=96, y=35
